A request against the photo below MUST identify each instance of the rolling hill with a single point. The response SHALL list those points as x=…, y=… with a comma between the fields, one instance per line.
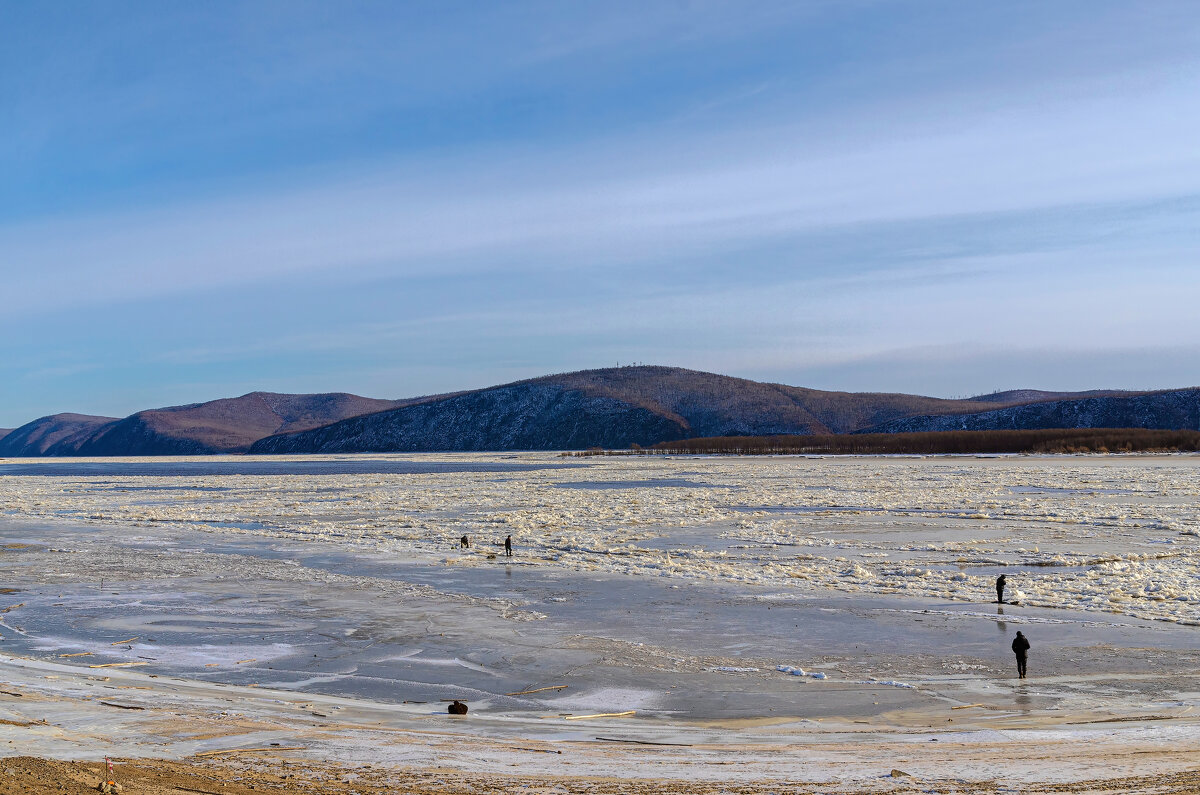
x=1168, y=410
x=613, y=407
x=1013, y=396
x=229, y=425
x=57, y=434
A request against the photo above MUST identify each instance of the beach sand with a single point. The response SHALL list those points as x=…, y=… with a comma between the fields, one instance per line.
x=32, y=776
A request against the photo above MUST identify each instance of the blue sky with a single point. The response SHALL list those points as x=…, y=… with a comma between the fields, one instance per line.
x=198, y=200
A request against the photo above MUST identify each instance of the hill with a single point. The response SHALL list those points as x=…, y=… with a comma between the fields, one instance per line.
x=229, y=425
x=1046, y=440
x=613, y=408
x=1013, y=396
x=1167, y=410
x=58, y=434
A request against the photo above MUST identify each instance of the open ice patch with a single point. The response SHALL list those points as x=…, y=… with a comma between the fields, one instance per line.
x=608, y=699
x=213, y=655
x=412, y=658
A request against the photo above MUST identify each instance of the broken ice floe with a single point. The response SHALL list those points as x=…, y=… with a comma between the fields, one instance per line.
x=887, y=683
x=794, y=671
x=1071, y=532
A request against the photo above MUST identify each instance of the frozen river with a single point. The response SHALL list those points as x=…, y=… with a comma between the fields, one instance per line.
x=1113, y=535
x=675, y=587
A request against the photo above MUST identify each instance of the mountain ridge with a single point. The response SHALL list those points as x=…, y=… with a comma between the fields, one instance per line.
x=608, y=407
x=1168, y=409
x=47, y=435
x=613, y=407
x=227, y=425
x=1012, y=396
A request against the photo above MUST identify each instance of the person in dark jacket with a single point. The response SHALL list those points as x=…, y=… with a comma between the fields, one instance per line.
x=457, y=708
x=1000, y=588
x=464, y=543
x=508, y=546
x=1020, y=647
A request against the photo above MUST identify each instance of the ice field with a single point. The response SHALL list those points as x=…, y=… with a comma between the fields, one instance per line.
x=1105, y=534
x=750, y=603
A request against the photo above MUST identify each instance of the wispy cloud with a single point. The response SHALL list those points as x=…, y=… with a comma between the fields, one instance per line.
x=787, y=186
x=572, y=211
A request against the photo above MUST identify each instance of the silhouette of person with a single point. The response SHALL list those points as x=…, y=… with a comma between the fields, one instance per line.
x=1000, y=581
x=508, y=546
x=464, y=542
x=457, y=708
x=1020, y=647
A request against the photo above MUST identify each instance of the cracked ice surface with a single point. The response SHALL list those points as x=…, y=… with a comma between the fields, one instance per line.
x=1117, y=534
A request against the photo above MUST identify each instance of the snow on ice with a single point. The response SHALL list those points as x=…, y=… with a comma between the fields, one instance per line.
x=1109, y=534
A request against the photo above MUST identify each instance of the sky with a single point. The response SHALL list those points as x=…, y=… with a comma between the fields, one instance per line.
x=199, y=200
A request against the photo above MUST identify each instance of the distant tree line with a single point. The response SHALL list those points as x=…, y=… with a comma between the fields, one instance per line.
x=1050, y=440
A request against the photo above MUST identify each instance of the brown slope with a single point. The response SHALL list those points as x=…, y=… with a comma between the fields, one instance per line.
x=607, y=408
x=846, y=412
x=1171, y=409
x=229, y=425
x=704, y=403
x=1014, y=397
x=57, y=434
x=710, y=404
x=522, y=416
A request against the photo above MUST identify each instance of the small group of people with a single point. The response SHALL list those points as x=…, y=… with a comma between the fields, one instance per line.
x=1020, y=644
x=465, y=543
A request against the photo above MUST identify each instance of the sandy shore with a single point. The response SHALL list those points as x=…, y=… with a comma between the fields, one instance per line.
x=211, y=737
x=33, y=776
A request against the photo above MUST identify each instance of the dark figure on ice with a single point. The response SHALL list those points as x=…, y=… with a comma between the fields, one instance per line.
x=464, y=543
x=508, y=546
x=1020, y=647
x=457, y=708
x=1000, y=589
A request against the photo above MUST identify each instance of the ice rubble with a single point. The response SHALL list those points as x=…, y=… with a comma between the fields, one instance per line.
x=794, y=671
x=1107, y=534
x=887, y=683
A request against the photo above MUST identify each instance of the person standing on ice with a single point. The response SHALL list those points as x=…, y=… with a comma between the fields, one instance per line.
x=1020, y=647
x=508, y=546
x=464, y=542
x=1000, y=588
